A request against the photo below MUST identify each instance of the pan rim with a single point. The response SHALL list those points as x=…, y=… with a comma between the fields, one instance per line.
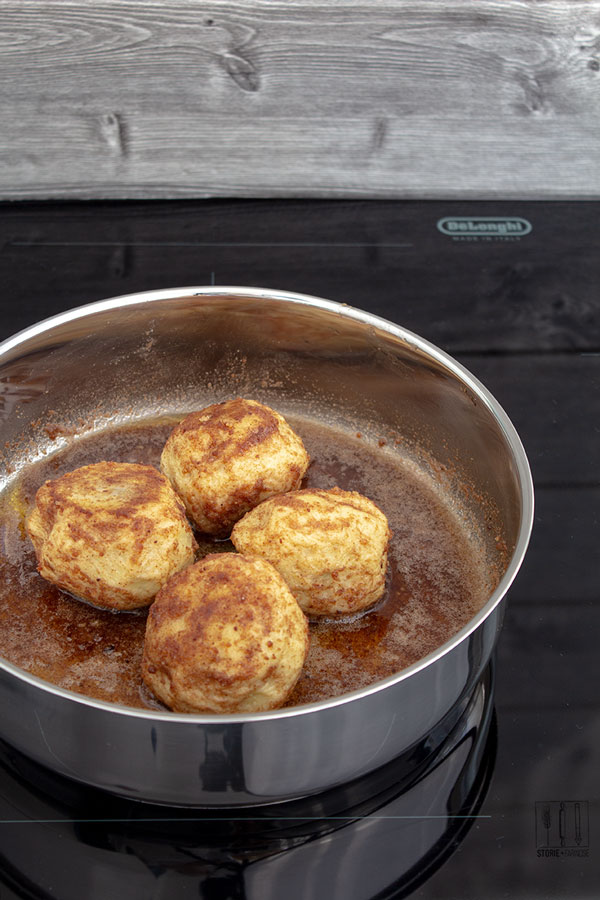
x=378, y=323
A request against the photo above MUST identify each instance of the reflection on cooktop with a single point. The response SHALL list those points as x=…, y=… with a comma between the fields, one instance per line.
x=380, y=834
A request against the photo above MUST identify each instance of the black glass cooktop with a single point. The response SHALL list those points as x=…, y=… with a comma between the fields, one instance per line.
x=510, y=807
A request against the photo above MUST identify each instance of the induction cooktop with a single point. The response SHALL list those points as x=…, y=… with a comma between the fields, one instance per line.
x=509, y=807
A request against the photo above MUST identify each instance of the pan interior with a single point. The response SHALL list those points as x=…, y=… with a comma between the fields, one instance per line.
x=377, y=414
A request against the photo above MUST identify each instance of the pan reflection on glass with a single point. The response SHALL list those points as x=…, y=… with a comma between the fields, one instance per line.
x=389, y=830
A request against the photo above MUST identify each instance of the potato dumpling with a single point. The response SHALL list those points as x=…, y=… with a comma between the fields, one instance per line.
x=227, y=458
x=110, y=533
x=224, y=636
x=330, y=546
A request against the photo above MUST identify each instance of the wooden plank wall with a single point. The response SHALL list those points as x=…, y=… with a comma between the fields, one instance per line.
x=349, y=98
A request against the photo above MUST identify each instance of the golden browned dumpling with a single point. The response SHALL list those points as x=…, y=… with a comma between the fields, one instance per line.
x=227, y=458
x=110, y=533
x=330, y=547
x=224, y=636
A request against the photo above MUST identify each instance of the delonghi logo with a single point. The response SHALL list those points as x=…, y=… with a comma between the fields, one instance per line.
x=484, y=227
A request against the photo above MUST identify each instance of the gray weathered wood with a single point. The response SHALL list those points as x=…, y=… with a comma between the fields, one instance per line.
x=497, y=98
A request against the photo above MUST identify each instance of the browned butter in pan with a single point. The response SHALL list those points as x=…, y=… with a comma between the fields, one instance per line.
x=438, y=576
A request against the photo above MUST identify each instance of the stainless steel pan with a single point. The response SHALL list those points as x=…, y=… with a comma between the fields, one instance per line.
x=175, y=350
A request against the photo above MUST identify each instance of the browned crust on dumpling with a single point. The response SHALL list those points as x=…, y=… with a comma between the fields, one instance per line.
x=225, y=459
x=224, y=636
x=110, y=533
x=329, y=545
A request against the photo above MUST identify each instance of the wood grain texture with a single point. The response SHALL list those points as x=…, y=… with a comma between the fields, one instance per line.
x=191, y=99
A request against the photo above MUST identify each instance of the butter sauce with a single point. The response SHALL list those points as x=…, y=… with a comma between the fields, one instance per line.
x=437, y=575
